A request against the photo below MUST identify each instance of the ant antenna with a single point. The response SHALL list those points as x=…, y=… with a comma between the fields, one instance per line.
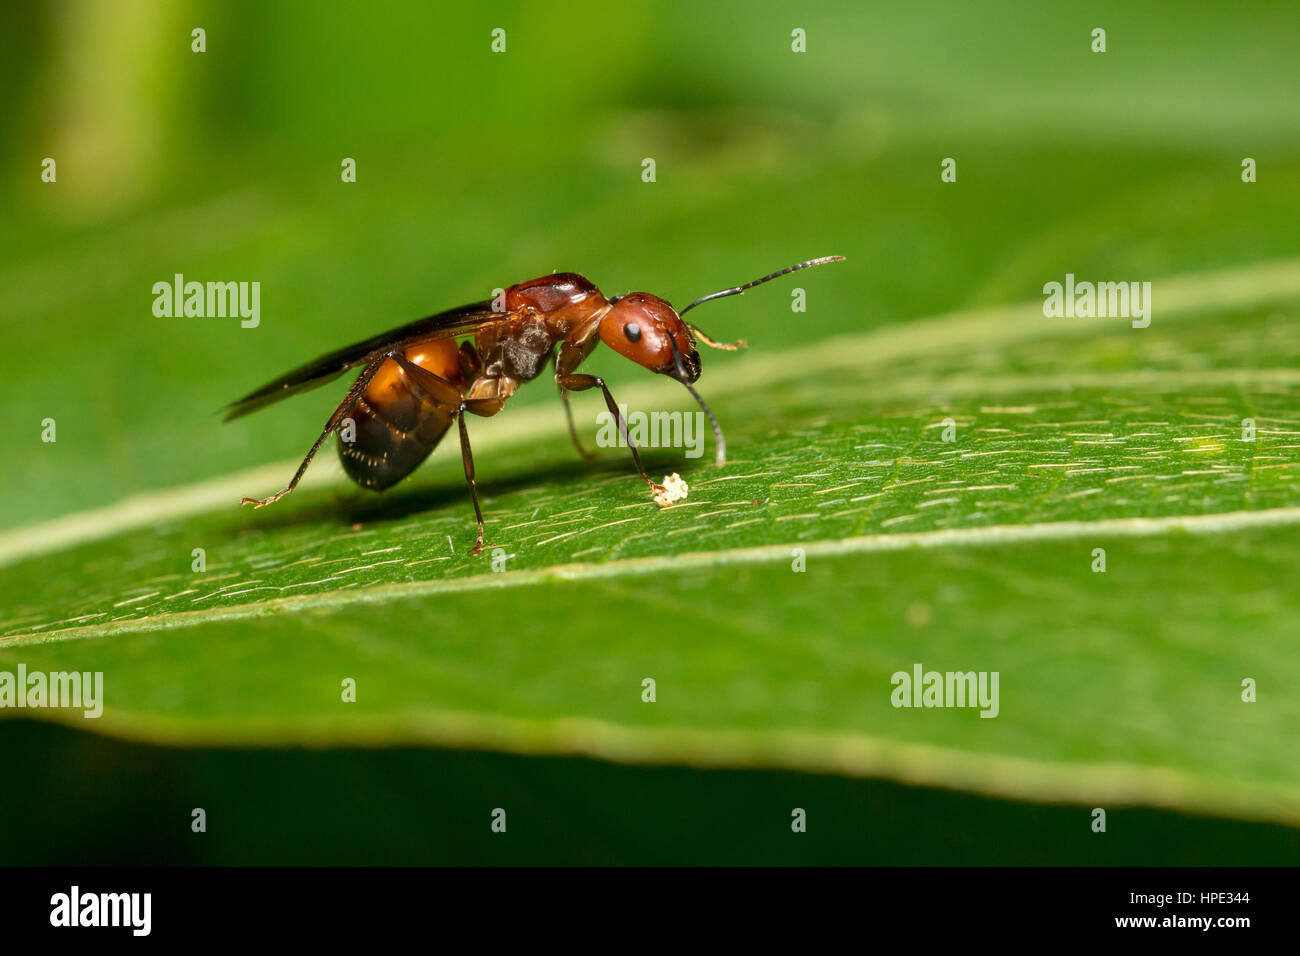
x=737, y=290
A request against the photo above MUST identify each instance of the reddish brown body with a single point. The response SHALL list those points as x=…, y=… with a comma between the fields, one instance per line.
x=415, y=381
x=397, y=423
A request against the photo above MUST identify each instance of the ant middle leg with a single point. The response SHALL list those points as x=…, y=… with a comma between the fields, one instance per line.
x=439, y=390
x=484, y=407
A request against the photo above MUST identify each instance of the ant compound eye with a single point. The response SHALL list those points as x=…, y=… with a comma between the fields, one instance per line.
x=632, y=331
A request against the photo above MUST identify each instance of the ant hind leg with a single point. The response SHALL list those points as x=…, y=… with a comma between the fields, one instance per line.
x=354, y=394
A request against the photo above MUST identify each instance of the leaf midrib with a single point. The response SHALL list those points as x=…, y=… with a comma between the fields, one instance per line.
x=678, y=564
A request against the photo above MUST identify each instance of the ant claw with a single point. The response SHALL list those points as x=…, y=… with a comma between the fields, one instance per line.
x=263, y=502
x=480, y=547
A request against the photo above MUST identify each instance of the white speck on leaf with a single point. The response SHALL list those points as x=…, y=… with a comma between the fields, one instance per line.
x=674, y=489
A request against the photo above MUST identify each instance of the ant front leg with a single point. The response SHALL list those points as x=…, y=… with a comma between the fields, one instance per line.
x=580, y=383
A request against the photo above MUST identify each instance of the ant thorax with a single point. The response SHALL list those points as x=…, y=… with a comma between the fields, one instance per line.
x=518, y=349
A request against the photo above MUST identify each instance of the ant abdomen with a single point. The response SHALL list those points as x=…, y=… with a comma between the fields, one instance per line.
x=395, y=426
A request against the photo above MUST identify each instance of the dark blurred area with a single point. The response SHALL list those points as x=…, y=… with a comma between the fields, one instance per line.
x=131, y=804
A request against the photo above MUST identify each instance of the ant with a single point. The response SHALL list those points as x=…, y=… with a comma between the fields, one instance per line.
x=415, y=381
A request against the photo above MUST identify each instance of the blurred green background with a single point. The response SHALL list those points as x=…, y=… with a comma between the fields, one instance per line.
x=476, y=170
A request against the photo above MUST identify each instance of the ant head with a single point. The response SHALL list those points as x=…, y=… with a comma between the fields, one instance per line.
x=647, y=330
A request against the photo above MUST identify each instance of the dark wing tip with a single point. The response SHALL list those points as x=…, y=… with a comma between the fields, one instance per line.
x=237, y=409
x=291, y=384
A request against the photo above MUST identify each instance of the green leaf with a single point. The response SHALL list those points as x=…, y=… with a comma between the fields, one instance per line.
x=971, y=554
x=478, y=171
